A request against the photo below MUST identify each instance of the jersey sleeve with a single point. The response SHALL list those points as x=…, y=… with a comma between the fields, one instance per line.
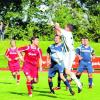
x=63, y=32
x=23, y=49
x=48, y=50
x=77, y=50
x=92, y=51
x=7, y=52
x=40, y=53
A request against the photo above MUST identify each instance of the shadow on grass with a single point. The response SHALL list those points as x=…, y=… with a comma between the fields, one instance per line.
x=40, y=91
x=5, y=83
x=49, y=95
x=22, y=94
x=45, y=93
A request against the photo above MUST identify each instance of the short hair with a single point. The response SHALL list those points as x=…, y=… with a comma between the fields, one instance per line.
x=12, y=40
x=33, y=38
x=58, y=36
x=70, y=26
x=84, y=38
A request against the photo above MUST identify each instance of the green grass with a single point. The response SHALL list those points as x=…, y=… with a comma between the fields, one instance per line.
x=10, y=90
x=43, y=45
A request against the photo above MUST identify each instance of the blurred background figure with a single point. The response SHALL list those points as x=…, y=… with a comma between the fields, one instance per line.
x=2, y=26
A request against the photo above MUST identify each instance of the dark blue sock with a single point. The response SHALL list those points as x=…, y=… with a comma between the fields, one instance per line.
x=90, y=81
x=50, y=85
x=68, y=85
x=59, y=81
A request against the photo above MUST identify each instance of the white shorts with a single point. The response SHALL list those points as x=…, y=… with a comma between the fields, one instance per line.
x=68, y=59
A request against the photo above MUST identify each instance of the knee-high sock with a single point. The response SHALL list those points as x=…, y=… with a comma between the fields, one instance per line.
x=29, y=87
x=68, y=85
x=76, y=80
x=90, y=81
x=18, y=78
x=50, y=85
x=59, y=81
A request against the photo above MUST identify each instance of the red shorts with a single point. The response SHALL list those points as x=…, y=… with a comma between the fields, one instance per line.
x=14, y=67
x=30, y=70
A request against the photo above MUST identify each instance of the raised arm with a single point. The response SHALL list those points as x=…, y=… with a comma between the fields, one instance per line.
x=57, y=29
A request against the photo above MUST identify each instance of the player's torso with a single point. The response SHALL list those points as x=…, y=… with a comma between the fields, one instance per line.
x=68, y=39
x=13, y=53
x=56, y=52
x=86, y=53
x=32, y=54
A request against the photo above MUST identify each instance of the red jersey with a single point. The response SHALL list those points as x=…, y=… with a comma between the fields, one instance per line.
x=12, y=53
x=32, y=54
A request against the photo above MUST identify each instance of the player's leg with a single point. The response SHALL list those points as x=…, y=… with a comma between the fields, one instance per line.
x=90, y=80
x=73, y=76
x=68, y=61
x=34, y=74
x=11, y=68
x=17, y=69
x=66, y=83
x=18, y=76
x=59, y=82
x=50, y=85
x=14, y=75
x=28, y=84
x=78, y=75
x=51, y=73
x=61, y=71
x=90, y=71
x=27, y=72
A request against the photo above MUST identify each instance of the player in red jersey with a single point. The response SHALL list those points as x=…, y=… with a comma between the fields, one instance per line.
x=13, y=60
x=31, y=59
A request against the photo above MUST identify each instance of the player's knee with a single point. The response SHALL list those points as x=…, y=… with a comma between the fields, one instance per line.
x=29, y=79
x=90, y=75
x=62, y=77
x=78, y=74
x=49, y=79
x=35, y=80
x=13, y=73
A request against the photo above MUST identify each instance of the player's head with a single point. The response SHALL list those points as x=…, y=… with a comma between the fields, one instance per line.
x=86, y=41
x=35, y=40
x=57, y=39
x=82, y=41
x=13, y=43
x=69, y=27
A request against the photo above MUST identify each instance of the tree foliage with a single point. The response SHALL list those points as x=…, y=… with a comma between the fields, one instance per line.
x=25, y=18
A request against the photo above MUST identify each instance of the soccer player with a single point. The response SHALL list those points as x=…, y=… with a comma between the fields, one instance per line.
x=13, y=60
x=31, y=59
x=68, y=51
x=54, y=55
x=85, y=53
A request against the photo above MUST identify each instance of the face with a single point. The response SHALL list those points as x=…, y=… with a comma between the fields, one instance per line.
x=35, y=42
x=86, y=42
x=12, y=43
x=57, y=39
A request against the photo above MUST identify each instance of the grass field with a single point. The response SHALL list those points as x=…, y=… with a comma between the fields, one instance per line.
x=9, y=90
x=43, y=45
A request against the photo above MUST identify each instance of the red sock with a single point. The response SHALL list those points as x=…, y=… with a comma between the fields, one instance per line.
x=29, y=87
x=18, y=78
